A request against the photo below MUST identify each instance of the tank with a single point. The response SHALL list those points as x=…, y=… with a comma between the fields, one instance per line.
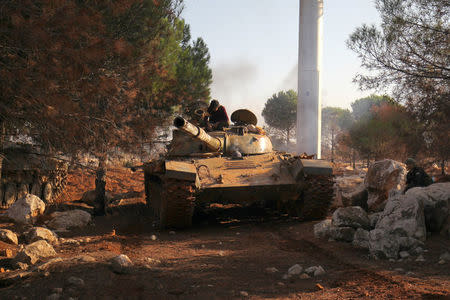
x=234, y=166
x=24, y=170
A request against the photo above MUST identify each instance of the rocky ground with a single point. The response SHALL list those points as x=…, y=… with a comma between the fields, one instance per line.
x=244, y=257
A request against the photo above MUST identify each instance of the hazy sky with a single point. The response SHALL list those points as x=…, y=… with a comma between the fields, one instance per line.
x=254, y=48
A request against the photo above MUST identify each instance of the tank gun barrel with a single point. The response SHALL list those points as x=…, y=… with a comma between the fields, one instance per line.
x=213, y=143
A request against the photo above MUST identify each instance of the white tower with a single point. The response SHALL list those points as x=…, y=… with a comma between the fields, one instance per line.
x=309, y=67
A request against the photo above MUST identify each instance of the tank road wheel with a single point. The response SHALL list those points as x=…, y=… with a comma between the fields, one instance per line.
x=315, y=197
x=177, y=203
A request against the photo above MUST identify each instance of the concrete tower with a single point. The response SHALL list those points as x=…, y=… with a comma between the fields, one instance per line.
x=309, y=67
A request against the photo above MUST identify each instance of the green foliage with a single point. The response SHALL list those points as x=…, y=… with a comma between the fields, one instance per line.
x=335, y=120
x=280, y=112
x=363, y=108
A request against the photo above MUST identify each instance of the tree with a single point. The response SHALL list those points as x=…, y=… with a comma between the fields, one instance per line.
x=87, y=77
x=280, y=112
x=409, y=55
x=363, y=107
x=335, y=120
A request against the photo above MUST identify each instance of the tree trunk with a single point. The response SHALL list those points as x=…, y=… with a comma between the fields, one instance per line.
x=368, y=160
x=354, y=159
x=332, y=145
x=100, y=187
x=287, y=139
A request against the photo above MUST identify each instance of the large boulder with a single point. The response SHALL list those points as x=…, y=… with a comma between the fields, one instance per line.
x=34, y=252
x=435, y=198
x=383, y=177
x=344, y=234
x=361, y=238
x=357, y=197
x=8, y=236
x=322, y=229
x=41, y=233
x=352, y=216
x=69, y=219
x=383, y=245
x=26, y=209
x=403, y=216
x=121, y=264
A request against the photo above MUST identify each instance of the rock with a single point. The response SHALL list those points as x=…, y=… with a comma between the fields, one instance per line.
x=357, y=198
x=319, y=272
x=403, y=216
x=152, y=261
x=8, y=236
x=286, y=276
x=345, y=234
x=382, y=178
x=69, y=219
x=271, y=270
x=243, y=294
x=435, y=198
x=361, y=238
x=295, y=270
x=304, y=276
x=26, y=209
x=382, y=244
x=445, y=256
x=373, y=218
x=75, y=281
x=46, y=265
x=409, y=273
x=34, y=252
x=352, y=216
x=409, y=243
x=311, y=270
x=420, y=258
x=403, y=254
x=41, y=233
x=153, y=237
x=441, y=262
x=84, y=259
x=417, y=251
x=172, y=232
x=121, y=264
x=322, y=229
x=399, y=270
x=21, y=265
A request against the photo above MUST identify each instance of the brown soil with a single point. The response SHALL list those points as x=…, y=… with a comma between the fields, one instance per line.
x=223, y=260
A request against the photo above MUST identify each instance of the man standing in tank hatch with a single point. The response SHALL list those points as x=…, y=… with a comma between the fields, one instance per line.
x=216, y=117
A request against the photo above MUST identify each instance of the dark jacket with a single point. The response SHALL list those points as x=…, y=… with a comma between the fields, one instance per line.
x=417, y=177
x=220, y=115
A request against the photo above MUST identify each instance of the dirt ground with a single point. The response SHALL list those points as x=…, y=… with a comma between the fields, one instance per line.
x=225, y=260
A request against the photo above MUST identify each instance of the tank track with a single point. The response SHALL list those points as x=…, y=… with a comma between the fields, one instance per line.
x=315, y=196
x=177, y=203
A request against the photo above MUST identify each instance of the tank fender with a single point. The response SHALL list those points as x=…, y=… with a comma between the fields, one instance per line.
x=182, y=171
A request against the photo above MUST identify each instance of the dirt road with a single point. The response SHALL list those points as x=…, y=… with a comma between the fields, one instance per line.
x=229, y=261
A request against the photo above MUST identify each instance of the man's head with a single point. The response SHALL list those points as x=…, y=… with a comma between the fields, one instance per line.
x=410, y=163
x=213, y=106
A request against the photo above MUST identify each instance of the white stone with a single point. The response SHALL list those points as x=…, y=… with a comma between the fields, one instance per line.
x=171, y=232
x=403, y=254
x=319, y=272
x=295, y=270
x=243, y=294
x=374, y=217
x=403, y=216
x=69, y=219
x=441, y=262
x=271, y=270
x=311, y=270
x=121, y=264
x=322, y=229
x=26, y=209
x=75, y=281
x=304, y=276
x=436, y=200
x=420, y=258
x=8, y=236
x=35, y=251
x=153, y=237
x=352, y=216
x=41, y=233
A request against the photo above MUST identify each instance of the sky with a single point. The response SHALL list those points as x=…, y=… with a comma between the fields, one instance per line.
x=254, y=48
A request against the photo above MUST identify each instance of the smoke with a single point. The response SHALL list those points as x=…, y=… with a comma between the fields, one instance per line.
x=290, y=82
x=233, y=84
